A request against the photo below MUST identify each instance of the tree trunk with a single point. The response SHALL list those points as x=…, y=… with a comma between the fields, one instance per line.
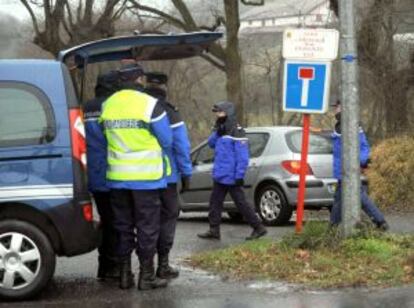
x=377, y=53
x=233, y=58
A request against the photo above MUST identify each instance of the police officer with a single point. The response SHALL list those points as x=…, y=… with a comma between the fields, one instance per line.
x=368, y=206
x=106, y=85
x=181, y=167
x=137, y=131
x=231, y=159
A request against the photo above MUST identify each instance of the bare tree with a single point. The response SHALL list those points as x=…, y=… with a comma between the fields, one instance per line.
x=63, y=23
x=381, y=73
x=226, y=58
x=385, y=83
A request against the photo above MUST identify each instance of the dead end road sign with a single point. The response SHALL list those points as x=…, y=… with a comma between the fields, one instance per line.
x=308, y=55
x=306, y=86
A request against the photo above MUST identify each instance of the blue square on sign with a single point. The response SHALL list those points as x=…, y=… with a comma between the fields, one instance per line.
x=306, y=86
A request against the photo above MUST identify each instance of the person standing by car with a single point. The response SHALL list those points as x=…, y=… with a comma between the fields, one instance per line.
x=181, y=167
x=138, y=132
x=231, y=160
x=368, y=206
x=107, y=84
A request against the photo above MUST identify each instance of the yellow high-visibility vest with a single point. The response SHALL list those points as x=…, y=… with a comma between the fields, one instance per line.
x=134, y=153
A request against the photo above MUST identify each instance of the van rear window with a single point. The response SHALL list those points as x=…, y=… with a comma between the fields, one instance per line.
x=318, y=144
x=26, y=116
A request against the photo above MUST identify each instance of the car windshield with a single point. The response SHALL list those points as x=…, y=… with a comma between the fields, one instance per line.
x=318, y=144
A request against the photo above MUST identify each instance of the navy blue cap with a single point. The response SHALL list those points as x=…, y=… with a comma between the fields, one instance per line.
x=157, y=78
x=131, y=71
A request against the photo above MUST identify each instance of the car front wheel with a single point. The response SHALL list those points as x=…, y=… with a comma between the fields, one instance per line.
x=272, y=206
x=27, y=260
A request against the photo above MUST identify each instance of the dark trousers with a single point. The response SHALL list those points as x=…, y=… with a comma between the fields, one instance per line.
x=136, y=221
x=169, y=215
x=237, y=194
x=107, y=246
x=368, y=206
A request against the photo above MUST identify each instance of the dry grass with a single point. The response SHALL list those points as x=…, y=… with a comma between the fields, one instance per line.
x=368, y=259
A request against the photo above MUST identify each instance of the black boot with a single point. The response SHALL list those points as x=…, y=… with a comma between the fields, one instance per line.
x=114, y=271
x=164, y=270
x=257, y=232
x=212, y=234
x=147, y=279
x=102, y=267
x=108, y=269
x=383, y=226
x=126, y=279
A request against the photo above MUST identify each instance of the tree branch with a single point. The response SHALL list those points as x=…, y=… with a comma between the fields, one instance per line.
x=217, y=63
x=185, y=14
x=215, y=49
x=118, y=13
x=248, y=2
x=88, y=12
x=172, y=20
x=70, y=14
x=32, y=16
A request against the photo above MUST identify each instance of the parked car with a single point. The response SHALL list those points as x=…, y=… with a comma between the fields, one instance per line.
x=272, y=178
x=45, y=209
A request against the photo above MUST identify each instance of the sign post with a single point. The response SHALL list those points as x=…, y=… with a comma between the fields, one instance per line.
x=303, y=172
x=308, y=55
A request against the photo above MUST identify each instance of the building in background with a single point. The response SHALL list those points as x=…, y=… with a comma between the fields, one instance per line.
x=278, y=15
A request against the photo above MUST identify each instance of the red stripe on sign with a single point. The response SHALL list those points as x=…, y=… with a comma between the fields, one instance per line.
x=306, y=73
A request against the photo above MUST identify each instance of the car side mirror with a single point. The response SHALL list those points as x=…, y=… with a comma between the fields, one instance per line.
x=195, y=163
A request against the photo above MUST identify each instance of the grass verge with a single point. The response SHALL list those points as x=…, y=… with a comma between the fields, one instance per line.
x=318, y=258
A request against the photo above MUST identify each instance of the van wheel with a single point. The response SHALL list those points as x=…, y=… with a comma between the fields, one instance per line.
x=272, y=206
x=27, y=260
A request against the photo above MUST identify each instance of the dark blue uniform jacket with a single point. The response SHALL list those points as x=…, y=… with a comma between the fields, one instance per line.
x=179, y=153
x=231, y=149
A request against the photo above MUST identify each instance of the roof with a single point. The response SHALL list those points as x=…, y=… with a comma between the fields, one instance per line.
x=281, y=8
x=47, y=75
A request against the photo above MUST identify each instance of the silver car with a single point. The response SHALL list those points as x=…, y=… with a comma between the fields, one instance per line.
x=272, y=178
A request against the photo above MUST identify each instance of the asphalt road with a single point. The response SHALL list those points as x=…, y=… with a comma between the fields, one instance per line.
x=74, y=284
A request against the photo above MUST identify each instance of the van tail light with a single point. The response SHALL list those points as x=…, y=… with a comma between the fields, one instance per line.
x=293, y=166
x=87, y=210
x=77, y=130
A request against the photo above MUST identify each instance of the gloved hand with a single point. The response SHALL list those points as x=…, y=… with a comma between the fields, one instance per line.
x=185, y=184
x=220, y=126
x=365, y=164
x=239, y=182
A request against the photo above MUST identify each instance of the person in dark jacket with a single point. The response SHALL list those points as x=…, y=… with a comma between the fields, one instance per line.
x=231, y=159
x=106, y=85
x=181, y=168
x=368, y=206
x=138, y=133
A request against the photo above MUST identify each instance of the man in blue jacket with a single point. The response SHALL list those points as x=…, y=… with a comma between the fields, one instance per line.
x=368, y=206
x=181, y=168
x=138, y=133
x=106, y=85
x=231, y=159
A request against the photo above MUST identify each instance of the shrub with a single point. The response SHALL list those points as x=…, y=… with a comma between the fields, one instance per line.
x=316, y=234
x=391, y=174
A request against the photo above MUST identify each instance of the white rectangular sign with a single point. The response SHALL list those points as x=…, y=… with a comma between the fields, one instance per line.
x=310, y=44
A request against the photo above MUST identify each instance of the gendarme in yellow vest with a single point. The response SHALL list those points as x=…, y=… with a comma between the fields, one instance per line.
x=134, y=153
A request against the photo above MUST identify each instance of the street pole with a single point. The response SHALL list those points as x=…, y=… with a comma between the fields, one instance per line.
x=303, y=172
x=351, y=201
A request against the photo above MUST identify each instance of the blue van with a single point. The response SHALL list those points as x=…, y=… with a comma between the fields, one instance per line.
x=45, y=208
